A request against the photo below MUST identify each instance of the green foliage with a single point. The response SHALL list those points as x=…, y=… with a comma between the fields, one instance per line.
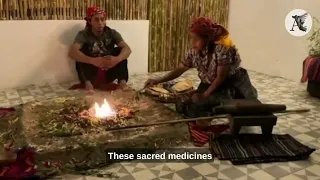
x=314, y=39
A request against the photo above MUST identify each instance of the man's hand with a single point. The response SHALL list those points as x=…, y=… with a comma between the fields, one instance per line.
x=97, y=61
x=110, y=62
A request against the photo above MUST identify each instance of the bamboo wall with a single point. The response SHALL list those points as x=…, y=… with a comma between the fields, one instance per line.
x=169, y=19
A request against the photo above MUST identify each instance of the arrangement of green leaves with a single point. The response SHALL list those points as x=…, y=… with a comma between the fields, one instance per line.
x=314, y=39
x=65, y=117
x=61, y=118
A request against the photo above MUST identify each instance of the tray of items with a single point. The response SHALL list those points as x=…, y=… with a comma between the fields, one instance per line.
x=171, y=92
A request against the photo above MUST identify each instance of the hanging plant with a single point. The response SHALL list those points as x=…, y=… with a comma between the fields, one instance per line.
x=314, y=39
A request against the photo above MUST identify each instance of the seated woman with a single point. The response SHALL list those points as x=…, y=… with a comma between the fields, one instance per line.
x=95, y=53
x=218, y=64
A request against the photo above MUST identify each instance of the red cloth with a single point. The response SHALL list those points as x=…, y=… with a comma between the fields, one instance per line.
x=99, y=83
x=311, y=69
x=200, y=136
x=91, y=11
x=101, y=76
x=6, y=110
x=103, y=87
x=205, y=27
x=23, y=167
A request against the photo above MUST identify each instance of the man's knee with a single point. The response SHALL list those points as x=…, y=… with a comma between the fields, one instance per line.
x=124, y=62
x=85, y=71
x=123, y=65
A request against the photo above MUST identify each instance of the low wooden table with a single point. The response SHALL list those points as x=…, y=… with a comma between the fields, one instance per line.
x=265, y=121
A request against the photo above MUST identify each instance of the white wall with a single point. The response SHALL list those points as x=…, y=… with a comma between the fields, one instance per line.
x=257, y=28
x=35, y=52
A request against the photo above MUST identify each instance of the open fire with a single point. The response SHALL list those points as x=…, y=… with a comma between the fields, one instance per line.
x=106, y=113
x=66, y=117
x=103, y=111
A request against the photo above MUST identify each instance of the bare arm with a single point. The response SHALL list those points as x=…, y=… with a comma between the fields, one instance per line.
x=222, y=72
x=173, y=74
x=77, y=55
x=225, y=57
x=74, y=51
x=125, y=50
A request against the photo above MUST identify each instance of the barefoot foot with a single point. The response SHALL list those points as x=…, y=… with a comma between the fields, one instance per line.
x=91, y=91
x=123, y=85
x=89, y=87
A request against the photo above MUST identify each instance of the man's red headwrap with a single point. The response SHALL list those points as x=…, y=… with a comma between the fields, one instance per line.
x=91, y=11
x=205, y=27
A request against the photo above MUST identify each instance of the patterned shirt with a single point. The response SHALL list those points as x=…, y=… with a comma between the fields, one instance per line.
x=94, y=46
x=207, y=67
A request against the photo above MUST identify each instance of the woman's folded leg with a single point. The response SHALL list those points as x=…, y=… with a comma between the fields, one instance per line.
x=203, y=107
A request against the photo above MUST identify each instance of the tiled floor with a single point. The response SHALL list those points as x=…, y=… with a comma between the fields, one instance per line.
x=304, y=127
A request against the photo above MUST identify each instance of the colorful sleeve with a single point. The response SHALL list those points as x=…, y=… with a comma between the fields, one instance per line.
x=116, y=36
x=188, y=60
x=80, y=38
x=224, y=55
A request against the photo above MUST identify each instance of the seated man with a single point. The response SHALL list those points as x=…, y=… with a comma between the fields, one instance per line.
x=96, y=55
x=218, y=63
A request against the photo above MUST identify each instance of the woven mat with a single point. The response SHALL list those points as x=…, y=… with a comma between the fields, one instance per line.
x=258, y=148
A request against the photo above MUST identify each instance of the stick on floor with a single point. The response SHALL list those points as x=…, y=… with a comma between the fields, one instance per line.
x=196, y=119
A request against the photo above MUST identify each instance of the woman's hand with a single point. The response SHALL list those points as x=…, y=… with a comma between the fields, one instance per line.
x=197, y=97
x=151, y=82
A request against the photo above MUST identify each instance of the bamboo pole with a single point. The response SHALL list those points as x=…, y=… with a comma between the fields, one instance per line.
x=1, y=10
x=183, y=32
x=157, y=37
x=14, y=8
x=58, y=9
x=49, y=9
x=54, y=11
x=7, y=10
x=37, y=8
x=162, y=37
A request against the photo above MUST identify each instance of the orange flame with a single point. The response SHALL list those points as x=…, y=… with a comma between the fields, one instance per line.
x=104, y=110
